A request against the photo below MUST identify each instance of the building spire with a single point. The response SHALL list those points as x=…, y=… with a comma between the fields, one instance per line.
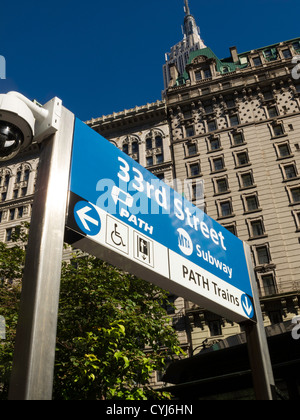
x=180, y=52
x=186, y=7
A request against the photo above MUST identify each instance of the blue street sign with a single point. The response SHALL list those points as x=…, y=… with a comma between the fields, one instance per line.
x=156, y=223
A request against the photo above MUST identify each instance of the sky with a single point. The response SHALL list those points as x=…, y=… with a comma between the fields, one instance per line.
x=101, y=57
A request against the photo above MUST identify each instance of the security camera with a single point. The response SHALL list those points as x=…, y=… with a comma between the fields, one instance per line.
x=16, y=126
x=23, y=121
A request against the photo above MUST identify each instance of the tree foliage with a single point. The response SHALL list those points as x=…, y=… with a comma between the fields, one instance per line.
x=113, y=332
x=11, y=269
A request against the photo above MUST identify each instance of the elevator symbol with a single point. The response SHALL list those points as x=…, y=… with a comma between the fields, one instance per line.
x=143, y=249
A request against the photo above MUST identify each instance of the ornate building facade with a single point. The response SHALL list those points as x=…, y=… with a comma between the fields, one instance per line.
x=232, y=123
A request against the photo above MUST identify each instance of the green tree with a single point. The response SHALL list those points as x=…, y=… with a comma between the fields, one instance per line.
x=11, y=269
x=113, y=332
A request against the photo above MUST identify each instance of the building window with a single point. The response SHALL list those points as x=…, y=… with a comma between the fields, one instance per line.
x=269, y=285
x=278, y=130
x=218, y=164
x=268, y=95
x=187, y=115
x=290, y=171
x=286, y=53
x=230, y=102
x=214, y=144
x=272, y=111
x=192, y=149
x=234, y=120
x=125, y=148
x=11, y=232
x=190, y=131
x=221, y=185
x=158, y=141
x=159, y=158
x=21, y=181
x=256, y=228
x=238, y=139
x=23, y=192
x=257, y=61
x=8, y=234
x=296, y=46
x=207, y=74
x=270, y=54
x=297, y=219
x=225, y=208
x=26, y=175
x=198, y=75
x=11, y=214
x=211, y=125
x=246, y=180
x=20, y=212
x=208, y=108
x=251, y=203
x=194, y=169
x=242, y=158
x=149, y=160
x=135, y=147
x=215, y=328
x=6, y=180
x=283, y=150
x=148, y=143
x=263, y=255
x=295, y=195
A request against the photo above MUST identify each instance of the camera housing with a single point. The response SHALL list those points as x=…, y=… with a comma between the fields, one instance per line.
x=23, y=121
x=16, y=126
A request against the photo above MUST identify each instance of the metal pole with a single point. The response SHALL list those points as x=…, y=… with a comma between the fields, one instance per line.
x=33, y=364
x=260, y=361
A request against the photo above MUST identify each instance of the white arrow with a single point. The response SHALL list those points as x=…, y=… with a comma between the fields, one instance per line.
x=84, y=218
x=248, y=307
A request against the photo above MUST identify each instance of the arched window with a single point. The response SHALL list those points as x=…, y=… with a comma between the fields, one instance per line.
x=131, y=147
x=22, y=181
x=158, y=141
x=149, y=143
x=5, y=176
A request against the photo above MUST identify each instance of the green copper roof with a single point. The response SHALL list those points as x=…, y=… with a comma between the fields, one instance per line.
x=226, y=65
x=207, y=52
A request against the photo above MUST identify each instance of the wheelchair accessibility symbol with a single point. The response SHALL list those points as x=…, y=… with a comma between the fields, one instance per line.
x=116, y=237
x=117, y=234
